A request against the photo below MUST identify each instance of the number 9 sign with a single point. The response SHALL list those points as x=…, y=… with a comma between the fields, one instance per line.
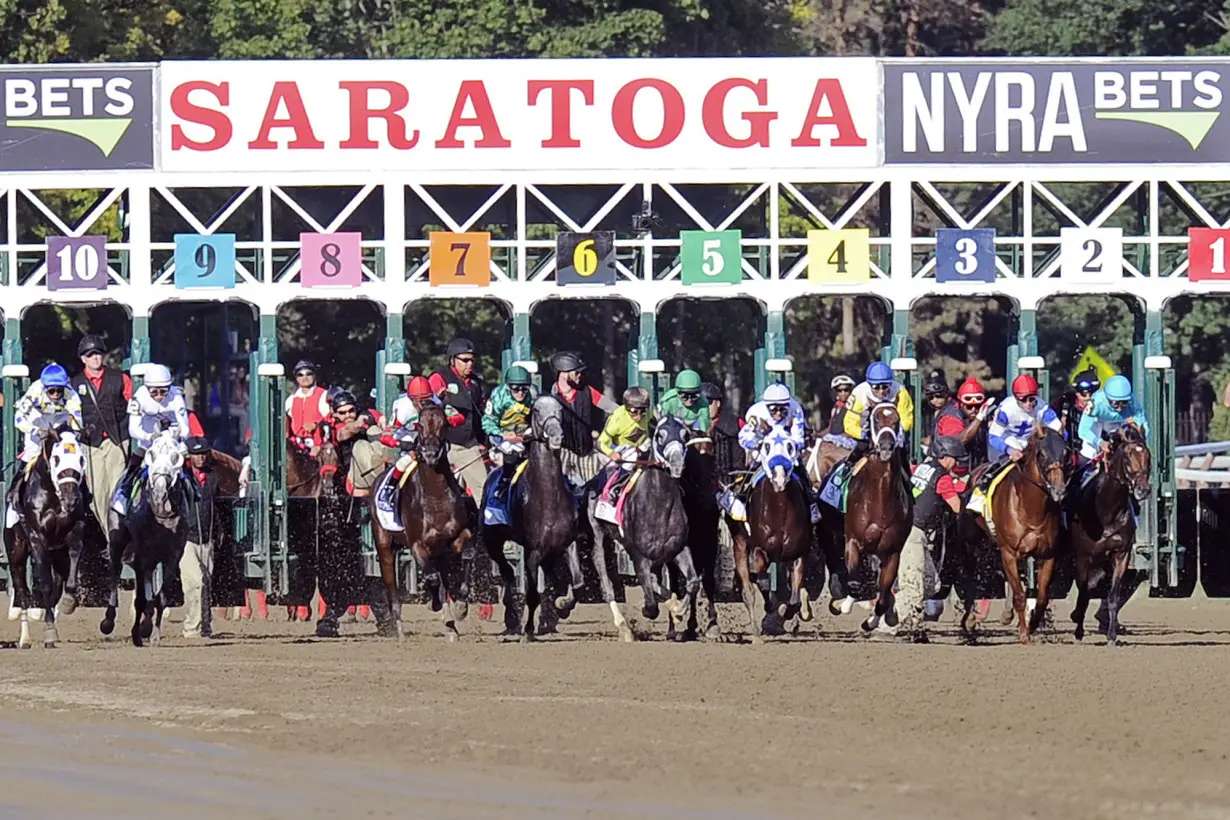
x=585, y=258
x=77, y=263
x=204, y=261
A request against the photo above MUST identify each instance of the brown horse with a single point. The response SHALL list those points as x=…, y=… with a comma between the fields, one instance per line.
x=434, y=512
x=1024, y=522
x=307, y=475
x=880, y=511
x=1102, y=523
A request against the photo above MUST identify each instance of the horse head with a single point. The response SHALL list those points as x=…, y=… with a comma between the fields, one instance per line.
x=1050, y=455
x=547, y=421
x=885, y=429
x=67, y=463
x=779, y=455
x=329, y=463
x=1130, y=461
x=670, y=444
x=165, y=462
x=431, y=446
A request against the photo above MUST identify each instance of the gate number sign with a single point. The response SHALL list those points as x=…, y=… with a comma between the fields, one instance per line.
x=965, y=255
x=204, y=261
x=460, y=259
x=585, y=258
x=1091, y=254
x=331, y=260
x=711, y=257
x=1206, y=254
x=842, y=256
x=77, y=263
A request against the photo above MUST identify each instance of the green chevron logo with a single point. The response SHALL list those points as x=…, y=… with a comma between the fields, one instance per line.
x=105, y=134
x=1192, y=126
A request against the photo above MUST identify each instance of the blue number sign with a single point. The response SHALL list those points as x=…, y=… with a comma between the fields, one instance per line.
x=204, y=261
x=965, y=255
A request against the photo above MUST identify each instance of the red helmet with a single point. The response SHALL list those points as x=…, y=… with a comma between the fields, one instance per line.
x=1024, y=386
x=971, y=392
x=419, y=388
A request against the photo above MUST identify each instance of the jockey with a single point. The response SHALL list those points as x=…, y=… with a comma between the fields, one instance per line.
x=776, y=408
x=506, y=421
x=38, y=409
x=402, y=436
x=624, y=438
x=1014, y=424
x=1073, y=404
x=686, y=402
x=842, y=386
x=155, y=403
x=966, y=420
x=352, y=440
x=1111, y=407
x=878, y=387
x=306, y=408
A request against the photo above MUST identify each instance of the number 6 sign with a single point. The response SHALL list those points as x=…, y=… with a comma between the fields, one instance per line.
x=711, y=257
x=77, y=263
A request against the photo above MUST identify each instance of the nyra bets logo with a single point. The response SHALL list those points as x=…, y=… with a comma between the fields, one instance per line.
x=1072, y=112
x=76, y=118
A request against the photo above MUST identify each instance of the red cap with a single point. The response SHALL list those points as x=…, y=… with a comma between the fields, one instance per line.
x=1024, y=386
x=419, y=388
x=971, y=392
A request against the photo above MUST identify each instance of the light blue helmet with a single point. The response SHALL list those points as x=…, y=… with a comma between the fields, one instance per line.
x=1118, y=388
x=53, y=376
x=879, y=373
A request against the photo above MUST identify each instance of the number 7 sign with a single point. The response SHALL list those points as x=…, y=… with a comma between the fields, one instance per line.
x=1206, y=254
x=460, y=259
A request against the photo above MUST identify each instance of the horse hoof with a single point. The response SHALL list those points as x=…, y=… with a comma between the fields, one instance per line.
x=155, y=639
x=1079, y=634
x=14, y=613
x=106, y=626
x=890, y=617
x=651, y=611
x=805, y=606
x=451, y=637
x=714, y=632
x=26, y=644
x=1006, y=617
x=626, y=635
x=68, y=604
x=756, y=639
x=146, y=628
x=36, y=614
x=460, y=610
x=564, y=606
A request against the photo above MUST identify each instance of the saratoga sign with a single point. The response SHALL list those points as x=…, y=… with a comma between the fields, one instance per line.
x=520, y=115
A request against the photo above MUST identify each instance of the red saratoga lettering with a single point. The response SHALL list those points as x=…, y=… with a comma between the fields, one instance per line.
x=672, y=113
x=561, y=107
x=184, y=109
x=296, y=118
x=847, y=135
x=475, y=92
x=714, y=119
x=361, y=115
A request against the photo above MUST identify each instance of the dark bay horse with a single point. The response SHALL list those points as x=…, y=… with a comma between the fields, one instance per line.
x=544, y=521
x=1024, y=520
x=309, y=476
x=654, y=531
x=436, y=517
x=778, y=530
x=51, y=509
x=700, y=487
x=153, y=533
x=1102, y=524
x=879, y=512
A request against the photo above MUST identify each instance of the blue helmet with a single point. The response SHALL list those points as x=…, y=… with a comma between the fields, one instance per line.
x=53, y=376
x=1118, y=388
x=879, y=373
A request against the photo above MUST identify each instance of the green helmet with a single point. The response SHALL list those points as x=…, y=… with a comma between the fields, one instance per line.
x=517, y=375
x=687, y=380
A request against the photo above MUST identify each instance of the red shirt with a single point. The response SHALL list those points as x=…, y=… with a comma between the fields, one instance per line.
x=949, y=487
x=571, y=397
x=949, y=426
x=97, y=382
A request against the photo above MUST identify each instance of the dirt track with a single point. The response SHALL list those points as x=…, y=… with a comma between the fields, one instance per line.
x=266, y=722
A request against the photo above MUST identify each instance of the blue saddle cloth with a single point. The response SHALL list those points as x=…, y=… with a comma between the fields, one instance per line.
x=495, y=506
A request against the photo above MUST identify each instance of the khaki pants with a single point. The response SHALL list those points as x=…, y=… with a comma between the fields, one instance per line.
x=473, y=472
x=917, y=579
x=582, y=469
x=195, y=571
x=105, y=464
x=366, y=461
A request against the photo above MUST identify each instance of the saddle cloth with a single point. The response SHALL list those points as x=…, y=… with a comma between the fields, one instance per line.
x=391, y=521
x=980, y=502
x=836, y=489
x=495, y=505
x=614, y=513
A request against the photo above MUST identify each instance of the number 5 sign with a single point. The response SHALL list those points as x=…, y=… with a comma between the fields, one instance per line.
x=711, y=257
x=460, y=259
x=77, y=263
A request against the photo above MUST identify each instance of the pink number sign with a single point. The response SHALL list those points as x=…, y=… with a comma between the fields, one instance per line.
x=331, y=260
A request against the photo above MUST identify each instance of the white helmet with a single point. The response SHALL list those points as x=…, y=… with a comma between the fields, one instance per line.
x=776, y=393
x=157, y=375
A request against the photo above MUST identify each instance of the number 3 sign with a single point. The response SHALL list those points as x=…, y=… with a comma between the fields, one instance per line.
x=331, y=260
x=77, y=263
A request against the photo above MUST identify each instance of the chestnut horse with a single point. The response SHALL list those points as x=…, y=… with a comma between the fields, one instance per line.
x=1102, y=523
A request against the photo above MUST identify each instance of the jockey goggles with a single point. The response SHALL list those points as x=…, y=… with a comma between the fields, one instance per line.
x=881, y=388
x=973, y=399
x=1119, y=405
x=779, y=409
x=689, y=395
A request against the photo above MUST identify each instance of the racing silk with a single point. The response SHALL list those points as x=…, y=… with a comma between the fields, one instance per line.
x=504, y=413
x=1013, y=425
x=1070, y=409
x=862, y=400
x=696, y=417
x=621, y=430
x=146, y=414
x=1099, y=417
x=405, y=414
x=35, y=411
x=794, y=425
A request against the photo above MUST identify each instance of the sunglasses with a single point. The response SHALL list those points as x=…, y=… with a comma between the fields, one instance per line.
x=778, y=408
x=55, y=391
x=636, y=411
x=881, y=388
x=159, y=391
x=465, y=359
x=1118, y=405
x=301, y=373
x=1029, y=399
x=973, y=400
x=843, y=389
x=689, y=396
x=518, y=388
x=349, y=411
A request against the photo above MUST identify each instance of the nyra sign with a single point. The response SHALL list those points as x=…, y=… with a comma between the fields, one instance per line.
x=1100, y=111
x=520, y=115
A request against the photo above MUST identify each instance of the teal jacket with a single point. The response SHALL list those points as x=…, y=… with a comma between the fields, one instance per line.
x=505, y=414
x=696, y=417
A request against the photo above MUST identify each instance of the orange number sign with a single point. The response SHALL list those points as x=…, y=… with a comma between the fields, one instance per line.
x=460, y=259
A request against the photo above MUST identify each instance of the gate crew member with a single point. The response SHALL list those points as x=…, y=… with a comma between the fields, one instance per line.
x=306, y=409
x=966, y=420
x=464, y=393
x=938, y=396
x=356, y=436
x=197, y=564
x=104, y=393
x=155, y=402
x=585, y=412
x=686, y=402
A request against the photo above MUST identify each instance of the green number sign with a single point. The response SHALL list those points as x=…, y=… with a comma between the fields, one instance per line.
x=711, y=257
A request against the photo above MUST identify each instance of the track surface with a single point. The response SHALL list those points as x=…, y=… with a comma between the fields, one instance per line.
x=266, y=721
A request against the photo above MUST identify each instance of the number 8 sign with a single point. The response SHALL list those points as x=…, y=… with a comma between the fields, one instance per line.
x=331, y=260
x=77, y=263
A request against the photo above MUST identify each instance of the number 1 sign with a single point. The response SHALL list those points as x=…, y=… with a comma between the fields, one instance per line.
x=331, y=260
x=1206, y=254
x=77, y=263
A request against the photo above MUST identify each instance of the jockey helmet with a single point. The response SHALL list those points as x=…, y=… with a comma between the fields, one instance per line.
x=776, y=393
x=460, y=347
x=567, y=362
x=688, y=380
x=636, y=398
x=1118, y=388
x=936, y=385
x=419, y=388
x=342, y=398
x=157, y=375
x=950, y=446
x=1024, y=386
x=711, y=391
x=879, y=373
x=198, y=445
x=91, y=344
x=1087, y=381
x=305, y=364
x=841, y=380
x=971, y=392
x=53, y=376
x=517, y=375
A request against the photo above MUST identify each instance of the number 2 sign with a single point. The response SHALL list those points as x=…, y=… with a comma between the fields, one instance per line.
x=460, y=259
x=711, y=257
x=77, y=263
x=1206, y=254
x=331, y=260
x=1092, y=255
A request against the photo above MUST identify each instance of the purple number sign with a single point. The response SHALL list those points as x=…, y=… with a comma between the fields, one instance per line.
x=331, y=260
x=77, y=263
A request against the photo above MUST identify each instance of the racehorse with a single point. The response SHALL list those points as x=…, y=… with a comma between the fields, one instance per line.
x=154, y=532
x=654, y=530
x=544, y=515
x=1102, y=523
x=437, y=530
x=51, y=509
x=309, y=476
x=700, y=488
x=879, y=513
x=779, y=530
x=1023, y=521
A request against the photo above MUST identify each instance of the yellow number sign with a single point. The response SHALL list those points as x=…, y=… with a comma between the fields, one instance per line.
x=839, y=256
x=585, y=258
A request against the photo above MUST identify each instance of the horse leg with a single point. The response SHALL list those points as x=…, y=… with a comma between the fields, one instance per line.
x=449, y=608
x=68, y=601
x=649, y=587
x=43, y=582
x=566, y=603
x=746, y=579
x=19, y=584
x=604, y=581
x=115, y=557
x=1082, y=595
x=800, y=603
x=390, y=623
x=886, y=605
x=461, y=564
x=686, y=609
x=531, y=595
x=59, y=562
x=1013, y=573
x=508, y=577
x=1113, y=602
x=139, y=592
x=1045, y=568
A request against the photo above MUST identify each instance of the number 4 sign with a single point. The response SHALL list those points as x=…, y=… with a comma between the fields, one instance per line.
x=77, y=263
x=1206, y=254
x=839, y=256
x=711, y=257
x=1093, y=255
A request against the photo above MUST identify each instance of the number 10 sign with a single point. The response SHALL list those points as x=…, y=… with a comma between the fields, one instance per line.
x=77, y=263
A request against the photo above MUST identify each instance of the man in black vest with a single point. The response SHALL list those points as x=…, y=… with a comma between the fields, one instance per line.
x=463, y=391
x=585, y=412
x=104, y=393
